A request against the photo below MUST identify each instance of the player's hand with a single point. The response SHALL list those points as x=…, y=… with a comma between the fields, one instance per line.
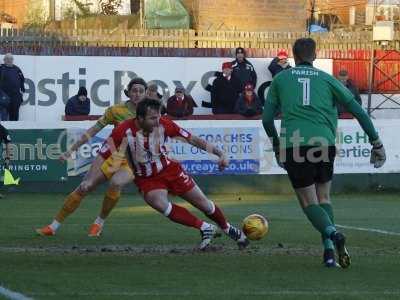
x=6, y=162
x=223, y=162
x=278, y=156
x=378, y=154
x=64, y=157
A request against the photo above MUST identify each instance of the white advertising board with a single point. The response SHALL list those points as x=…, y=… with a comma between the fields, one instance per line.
x=51, y=80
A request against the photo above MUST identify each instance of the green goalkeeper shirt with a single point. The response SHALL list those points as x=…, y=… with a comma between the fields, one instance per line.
x=306, y=98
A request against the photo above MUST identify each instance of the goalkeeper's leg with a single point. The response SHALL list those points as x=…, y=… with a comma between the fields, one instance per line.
x=323, y=195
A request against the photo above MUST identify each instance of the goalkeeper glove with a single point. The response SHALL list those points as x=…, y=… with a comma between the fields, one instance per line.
x=378, y=155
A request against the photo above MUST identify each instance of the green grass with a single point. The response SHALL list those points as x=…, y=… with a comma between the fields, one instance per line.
x=144, y=256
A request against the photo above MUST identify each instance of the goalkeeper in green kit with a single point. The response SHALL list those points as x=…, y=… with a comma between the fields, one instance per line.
x=307, y=98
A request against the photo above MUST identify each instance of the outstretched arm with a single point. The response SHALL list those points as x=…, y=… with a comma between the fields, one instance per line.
x=362, y=118
x=92, y=131
x=345, y=97
x=223, y=161
x=8, y=153
x=271, y=108
x=105, y=120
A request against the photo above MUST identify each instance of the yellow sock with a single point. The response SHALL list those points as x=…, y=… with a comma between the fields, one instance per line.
x=71, y=203
x=110, y=200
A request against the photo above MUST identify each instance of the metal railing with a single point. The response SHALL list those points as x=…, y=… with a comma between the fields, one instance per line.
x=140, y=38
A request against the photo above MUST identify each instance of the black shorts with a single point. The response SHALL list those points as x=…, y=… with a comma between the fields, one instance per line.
x=308, y=165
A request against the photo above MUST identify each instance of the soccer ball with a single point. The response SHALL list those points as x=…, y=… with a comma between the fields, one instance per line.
x=255, y=226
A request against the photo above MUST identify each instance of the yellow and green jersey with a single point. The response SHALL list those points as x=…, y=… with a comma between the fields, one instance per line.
x=116, y=114
x=307, y=98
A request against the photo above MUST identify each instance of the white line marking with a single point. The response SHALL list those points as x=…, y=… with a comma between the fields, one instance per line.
x=12, y=295
x=369, y=230
x=254, y=293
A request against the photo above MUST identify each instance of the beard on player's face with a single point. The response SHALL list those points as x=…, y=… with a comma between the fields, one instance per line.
x=150, y=121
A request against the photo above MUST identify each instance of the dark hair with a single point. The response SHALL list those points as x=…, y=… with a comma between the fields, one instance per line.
x=240, y=50
x=304, y=49
x=136, y=80
x=152, y=87
x=146, y=104
x=82, y=91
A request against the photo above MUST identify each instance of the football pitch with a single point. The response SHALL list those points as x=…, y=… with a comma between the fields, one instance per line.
x=142, y=255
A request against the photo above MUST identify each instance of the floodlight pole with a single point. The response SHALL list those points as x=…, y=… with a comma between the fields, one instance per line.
x=141, y=13
x=311, y=16
x=371, y=77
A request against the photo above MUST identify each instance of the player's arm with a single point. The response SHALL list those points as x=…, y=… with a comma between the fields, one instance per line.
x=5, y=137
x=176, y=132
x=8, y=152
x=116, y=143
x=223, y=161
x=92, y=131
x=271, y=108
x=346, y=98
x=105, y=120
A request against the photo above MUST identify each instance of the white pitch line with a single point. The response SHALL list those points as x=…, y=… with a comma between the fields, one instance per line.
x=12, y=295
x=369, y=230
x=186, y=294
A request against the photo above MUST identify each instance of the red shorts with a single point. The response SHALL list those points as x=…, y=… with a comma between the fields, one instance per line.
x=173, y=178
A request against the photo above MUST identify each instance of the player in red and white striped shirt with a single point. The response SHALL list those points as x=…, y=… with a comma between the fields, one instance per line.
x=156, y=174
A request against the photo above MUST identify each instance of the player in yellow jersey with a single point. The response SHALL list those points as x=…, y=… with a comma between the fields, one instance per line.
x=115, y=168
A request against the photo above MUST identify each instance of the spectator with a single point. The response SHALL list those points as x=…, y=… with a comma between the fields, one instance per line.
x=343, y=77
x=248, y=104
x=79, y=104
x=152, y=92
x=224, y=91
x=180, y=105
x=243, y=69
x=12, y=83
x=279, y=63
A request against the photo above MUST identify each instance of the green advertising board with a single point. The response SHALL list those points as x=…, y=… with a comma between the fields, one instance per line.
x=35, y=153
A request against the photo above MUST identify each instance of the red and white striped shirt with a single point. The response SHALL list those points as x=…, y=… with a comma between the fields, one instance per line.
x=148, y=153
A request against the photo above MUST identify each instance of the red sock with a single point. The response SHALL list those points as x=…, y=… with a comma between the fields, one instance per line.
x=219, y=218
x=182, y=216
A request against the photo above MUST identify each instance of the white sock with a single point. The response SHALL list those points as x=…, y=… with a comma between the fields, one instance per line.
x=55, y=225
x=99, y=221
x=168, y=209
x=226, y=230
x=212, y=208
x=205, y=225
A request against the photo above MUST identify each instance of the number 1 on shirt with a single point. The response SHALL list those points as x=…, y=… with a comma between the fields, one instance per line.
x=306, y=90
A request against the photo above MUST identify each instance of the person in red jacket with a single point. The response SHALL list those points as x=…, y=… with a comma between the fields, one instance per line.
x=248, y=104
x=180, y=105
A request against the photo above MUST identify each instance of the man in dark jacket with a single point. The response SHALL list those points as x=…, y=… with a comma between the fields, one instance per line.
x=180, y=105
x=79, y=104
x=12, y=83
x=243, y=69
x=224, y=91
x=279, y=63
x=343, y=77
